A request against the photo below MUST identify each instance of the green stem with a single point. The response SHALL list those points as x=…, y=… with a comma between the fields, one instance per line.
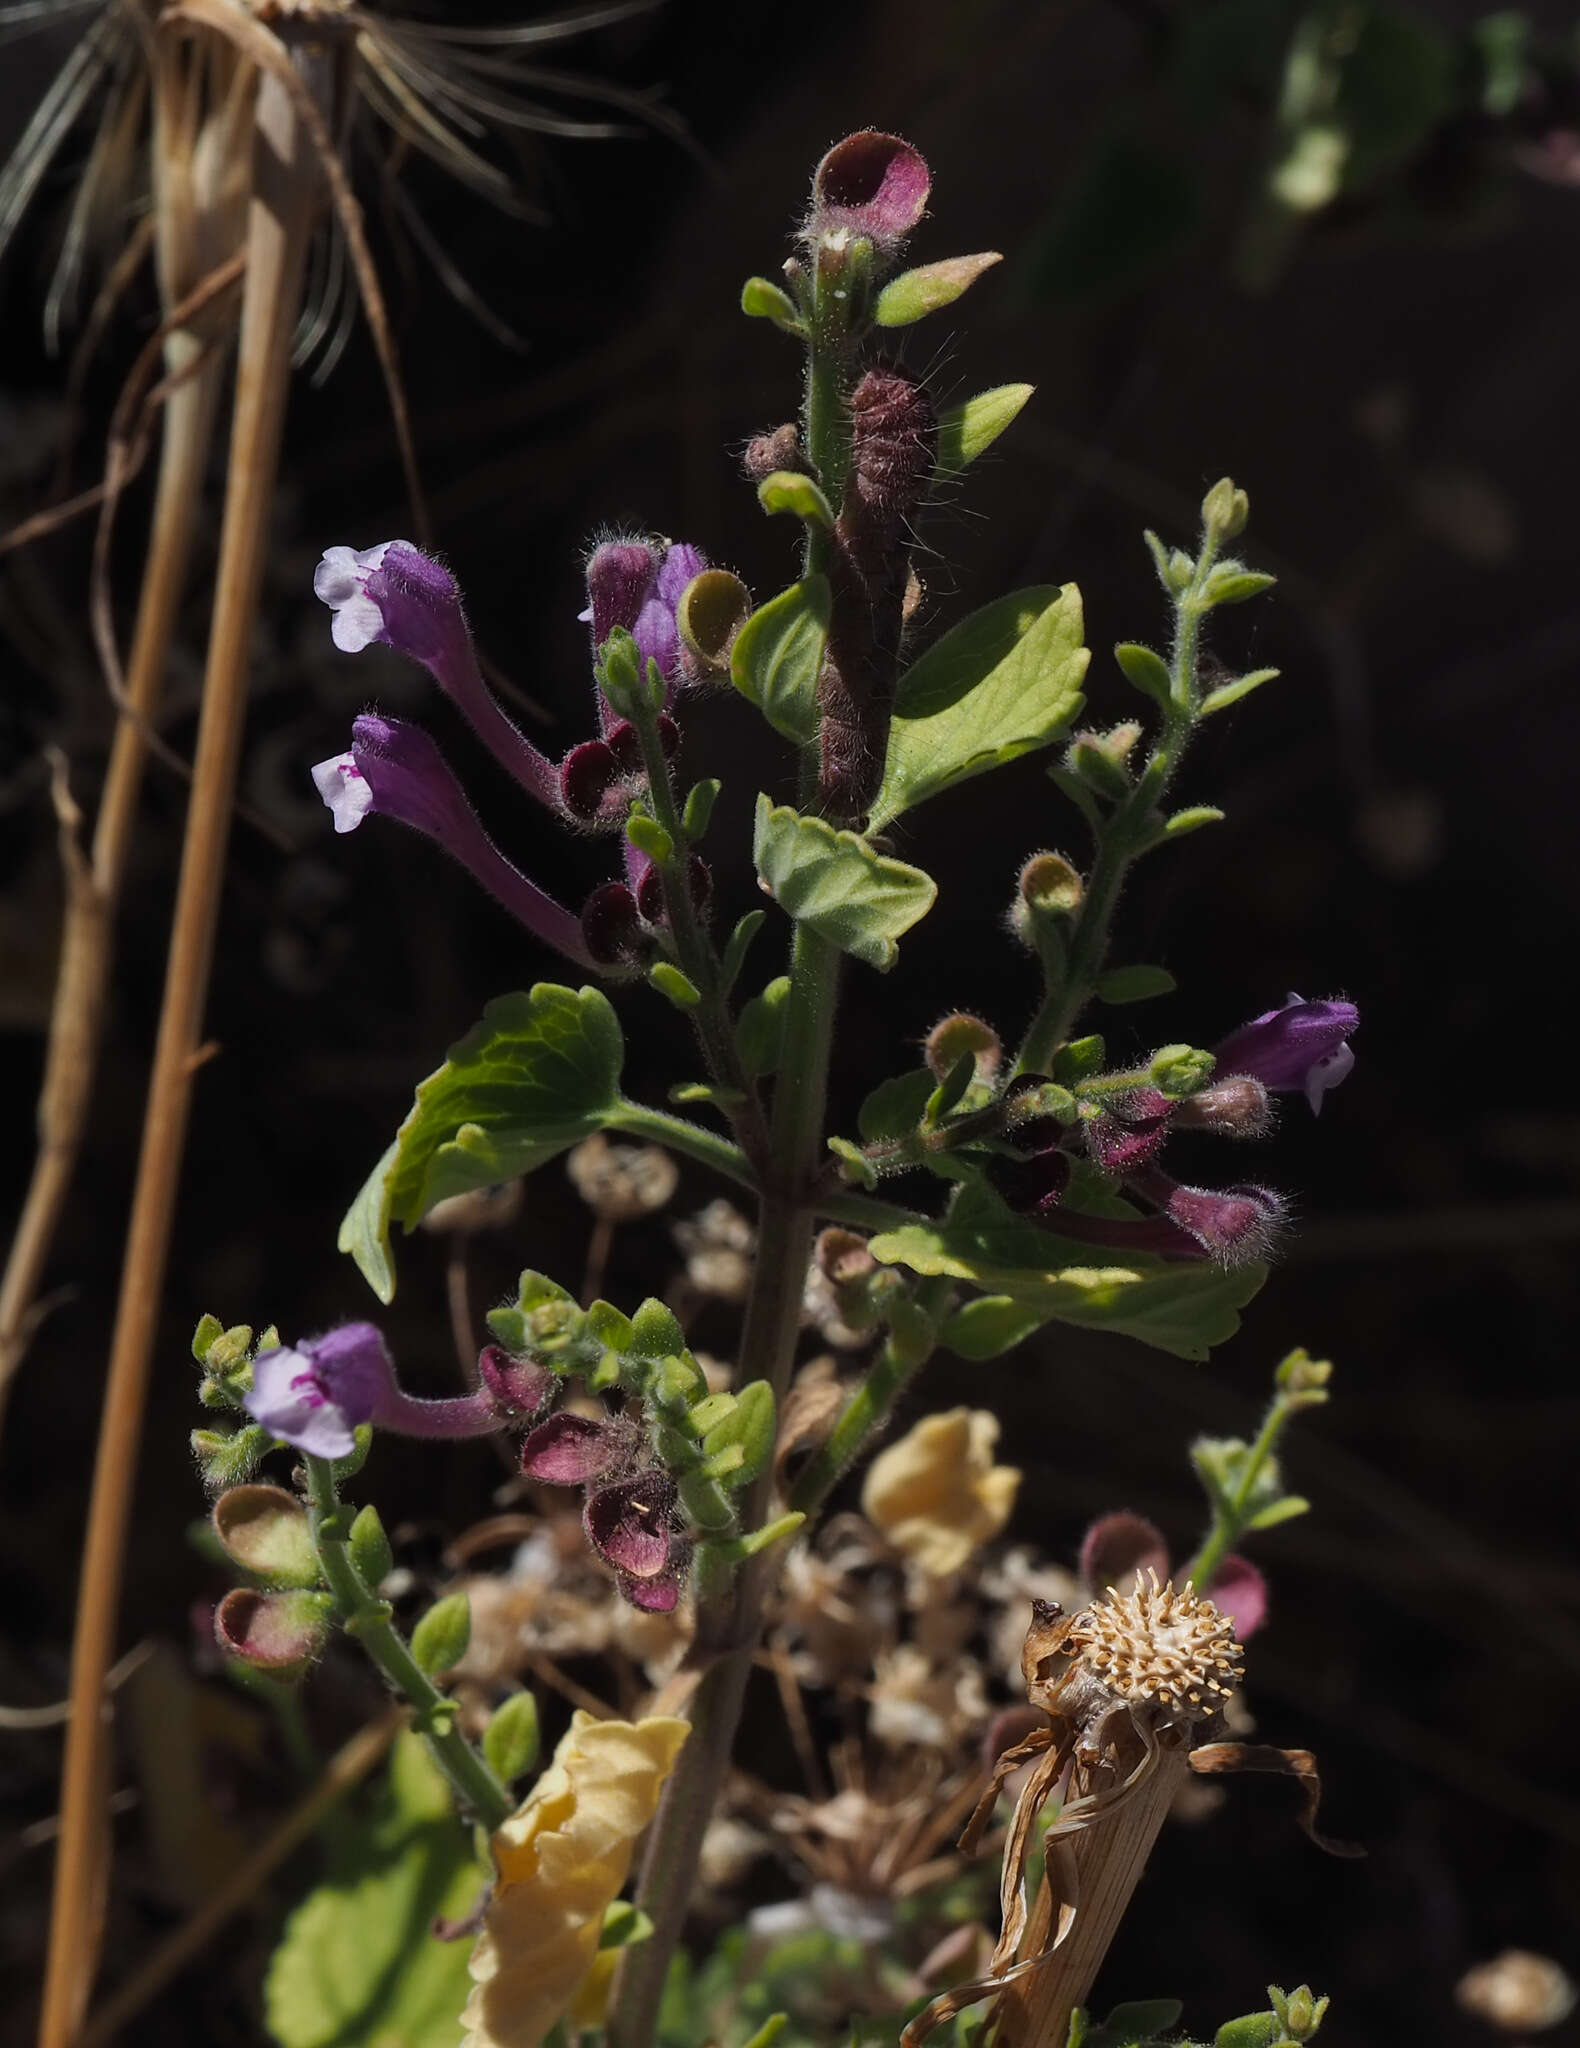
x=679, y=1134
x=711, y=1018
x=1231, y=1515
x=867, y=1410
x=1126, y=836
x=367, y=1617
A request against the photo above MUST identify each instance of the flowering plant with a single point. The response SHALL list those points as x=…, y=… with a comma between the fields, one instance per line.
x=996, y=1186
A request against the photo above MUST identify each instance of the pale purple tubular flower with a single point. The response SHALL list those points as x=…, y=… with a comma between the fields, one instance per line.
x=396, y=770
x=396, y=594
x=315, y=1395
x=1300, y=1046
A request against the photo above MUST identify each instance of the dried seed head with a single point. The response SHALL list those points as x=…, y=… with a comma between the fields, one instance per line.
x=1158, y=1644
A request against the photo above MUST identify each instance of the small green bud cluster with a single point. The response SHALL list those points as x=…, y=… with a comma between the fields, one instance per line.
x=228, y=1454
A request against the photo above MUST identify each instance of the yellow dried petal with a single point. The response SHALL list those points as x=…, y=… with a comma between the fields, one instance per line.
x=561, y=1858
x=936, y=1494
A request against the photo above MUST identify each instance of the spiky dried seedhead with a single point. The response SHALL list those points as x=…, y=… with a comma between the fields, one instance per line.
x=1159, y=1644
x=1156, y=1646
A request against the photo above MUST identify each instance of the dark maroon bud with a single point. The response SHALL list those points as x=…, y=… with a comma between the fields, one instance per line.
x=871, y=184
x=518, y=1386
x=622, y=739
x=568, y=1450
x=627, y=1523
x=780, y=450
x=650, y=894
x=620, y=576
x=612, y=925
x=1116, y=1547
x=586, y=775
x=1129, y=1133
x=1236, y=1108
x=893, y=436
x=1031, y=1134
x=1031, y=1186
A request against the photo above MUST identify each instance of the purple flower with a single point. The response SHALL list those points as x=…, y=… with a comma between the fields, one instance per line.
x=395, y=769
x=568, y=1449
x=1232, y=1225
x=870, y=184
x=1130, y=1131
x=639, y=585
x=314, y=1396
x=395, y=593
x=628, y=1523
x=1301, y=1046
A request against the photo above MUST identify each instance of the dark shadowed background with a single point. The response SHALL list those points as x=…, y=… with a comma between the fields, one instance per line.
x=1397, y=391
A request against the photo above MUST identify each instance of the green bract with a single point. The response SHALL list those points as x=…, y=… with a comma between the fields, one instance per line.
x=538, y=1073
x=851, y=895
x=778, y=654
x=1036, y=1277
x=964, y=431
x=1004, y=681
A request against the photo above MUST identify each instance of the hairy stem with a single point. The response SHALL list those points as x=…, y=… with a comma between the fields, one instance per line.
x=279, y=225
x=368, y=1619
x=1231, y=1516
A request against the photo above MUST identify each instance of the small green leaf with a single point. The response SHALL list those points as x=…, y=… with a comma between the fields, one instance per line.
x=749, y=1424
x=895, y=1108
x=778, y=657
x=1001, y=683
x=760, y=1031
x=737, y=1550
x=1079, y=1060
x=851, y=895
x=738, y=945
x=624, y=1925
x=209, y=1327
x=1191, y=820
x=949, y=1090
x=370, y=1548
x=511, y=1739
x=1254, y=2030
x=989, y=1326
x=965, y=431
x=679, y=988
x=1134, y=984
x=359, y=1961
x=535, y=1076
x=762, y=299
x=227, y=1457
x=1284, y=1510
x=1148, y=671
x=611, y=1326
x=859, y=1169
x=698, y=812
x=1180, y=1308
x=704, y=1091
x=439, y=1640
x=915, y=293
x=648, y=836
x=787, y=490
x=1231, y=693
x=1229, y=585
x=655, y=1333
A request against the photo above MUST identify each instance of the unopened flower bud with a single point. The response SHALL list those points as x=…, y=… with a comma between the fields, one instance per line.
x=568, y=1450
x=650, y=889
x=870, y=184
x=1225, y=510
x=1129, y=1131
x=767, y=454
x=619, y=577
x=277, y=1633
x=1235, y=1108
x=518, y=1386
x=1233, y=1225
x=953, y=1037
x=612, y=929
x=587, y=774
x=1300, y=1373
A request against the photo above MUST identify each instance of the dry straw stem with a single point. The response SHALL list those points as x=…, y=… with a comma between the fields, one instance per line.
x=286, y=185
x=345, y=1770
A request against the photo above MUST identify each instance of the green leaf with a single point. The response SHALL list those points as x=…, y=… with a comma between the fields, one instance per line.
x=851, y=895
x=966, y=431
x=1231, y=693
x=990, y=1326
x=1191, y=820
x=1179, y=1307
x=370, y=1548
x=778, y=656
x=670, y=982
x=1148, y=671
x=1136, y=2023
x=1134, y=984
x=916, y=293
x=738, y=946
x=859, y=1169
x=1255, y=2030
x=1234, y=586
x=358, y=1963
x=698, y=812
x=895, y=1108
x=787, y=490
x=209, y=1327
x=762, y=299
x=511, y=1739
x=1001, y=683
x=537, y=1074
x=760, y=1030
x=439, y=1640
x=1284, y=1510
